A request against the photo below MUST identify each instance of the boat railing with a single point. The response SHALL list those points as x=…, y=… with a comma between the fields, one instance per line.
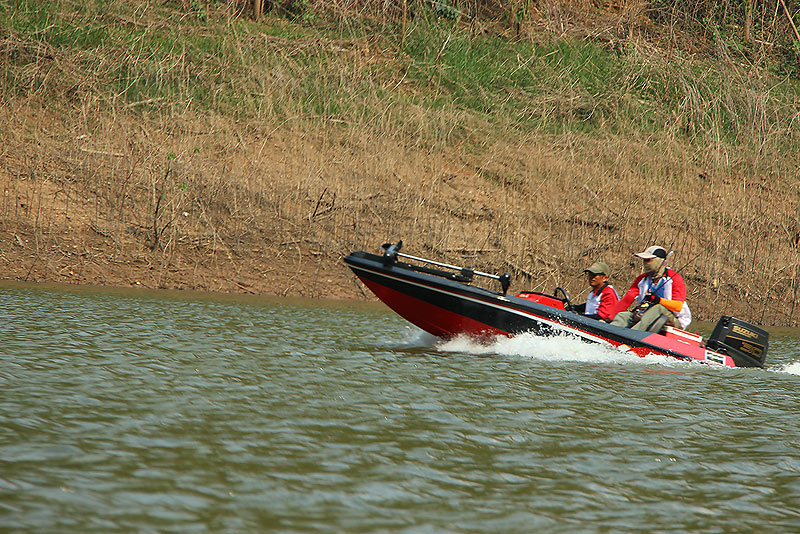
x=462, y=274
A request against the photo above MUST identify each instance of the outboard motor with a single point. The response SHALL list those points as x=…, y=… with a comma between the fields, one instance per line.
x=745, y=343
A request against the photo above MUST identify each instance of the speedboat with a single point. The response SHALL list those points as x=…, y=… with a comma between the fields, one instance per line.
x=446, y=301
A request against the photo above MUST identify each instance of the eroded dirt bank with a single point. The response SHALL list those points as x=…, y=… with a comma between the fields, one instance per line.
x=208, y=204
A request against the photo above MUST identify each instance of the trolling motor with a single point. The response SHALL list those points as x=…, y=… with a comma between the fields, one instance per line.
x=392, y=251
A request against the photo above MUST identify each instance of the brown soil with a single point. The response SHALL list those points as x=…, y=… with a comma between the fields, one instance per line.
x=207, y=204
x=55, y=227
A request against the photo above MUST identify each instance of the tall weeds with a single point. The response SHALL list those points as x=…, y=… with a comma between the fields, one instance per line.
x=199, y=137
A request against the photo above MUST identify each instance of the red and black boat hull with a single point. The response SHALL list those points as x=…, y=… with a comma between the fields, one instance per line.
x=446, y=308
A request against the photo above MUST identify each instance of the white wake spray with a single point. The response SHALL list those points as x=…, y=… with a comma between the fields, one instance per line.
x=553, y=348
x=792, y=368
x=418, y=339
x=562, y=348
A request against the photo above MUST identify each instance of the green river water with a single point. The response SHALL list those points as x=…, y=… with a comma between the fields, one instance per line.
x=130, y=412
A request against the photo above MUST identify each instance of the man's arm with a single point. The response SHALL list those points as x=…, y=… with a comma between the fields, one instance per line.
x=631, y=294
x=678, y=293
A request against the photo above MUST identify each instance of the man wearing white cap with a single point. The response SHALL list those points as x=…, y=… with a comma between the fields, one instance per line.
x=658, y=291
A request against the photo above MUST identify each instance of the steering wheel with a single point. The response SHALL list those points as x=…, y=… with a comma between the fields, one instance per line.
x=564, y=297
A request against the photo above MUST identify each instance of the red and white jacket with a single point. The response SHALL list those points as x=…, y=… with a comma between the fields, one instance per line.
x=670, y=287
x=602, y=303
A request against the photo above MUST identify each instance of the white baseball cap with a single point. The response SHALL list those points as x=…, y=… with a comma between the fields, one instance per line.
x=652, y=252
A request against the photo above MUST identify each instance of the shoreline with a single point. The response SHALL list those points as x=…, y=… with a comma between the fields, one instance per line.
x=189, y=294
x=370, y=304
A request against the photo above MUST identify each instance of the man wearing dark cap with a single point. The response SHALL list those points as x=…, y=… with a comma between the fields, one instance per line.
x=657, y=292
x=601, y=302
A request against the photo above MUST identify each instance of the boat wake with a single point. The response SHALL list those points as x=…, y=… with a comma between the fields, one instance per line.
x=792, y=368
x=553, y=348
x=418, y=339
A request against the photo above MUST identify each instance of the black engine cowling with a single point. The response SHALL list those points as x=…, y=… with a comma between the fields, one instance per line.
x=745, y=343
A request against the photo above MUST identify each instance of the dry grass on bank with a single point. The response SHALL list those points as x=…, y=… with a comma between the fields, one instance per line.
x=277, y=215
x=258, y=168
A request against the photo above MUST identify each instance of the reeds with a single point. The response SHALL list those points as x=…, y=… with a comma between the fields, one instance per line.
x=218, y=151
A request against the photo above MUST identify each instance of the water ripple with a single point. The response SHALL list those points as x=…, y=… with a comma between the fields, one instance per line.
x=125, y=413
